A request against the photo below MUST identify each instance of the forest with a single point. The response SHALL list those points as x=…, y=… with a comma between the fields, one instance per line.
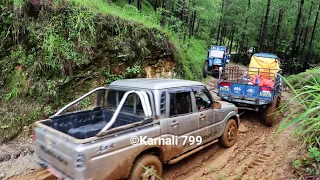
x=287, y=28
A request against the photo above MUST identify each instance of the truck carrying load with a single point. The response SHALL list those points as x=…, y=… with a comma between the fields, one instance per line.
x=257, y=87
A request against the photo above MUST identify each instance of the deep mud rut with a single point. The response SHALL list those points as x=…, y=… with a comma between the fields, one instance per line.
x=258, y=154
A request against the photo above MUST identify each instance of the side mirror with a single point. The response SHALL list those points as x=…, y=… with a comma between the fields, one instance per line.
x=216, y=105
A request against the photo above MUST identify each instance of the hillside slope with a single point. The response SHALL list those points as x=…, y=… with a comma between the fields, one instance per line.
x=54, y=51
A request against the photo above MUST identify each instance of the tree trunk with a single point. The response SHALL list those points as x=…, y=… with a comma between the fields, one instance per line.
x=192, y=23
x=275, y=44
x=183, y=19
x=139, y=5
x=231, y=41
x=294, y=45
x=182, y=4
x=297, y=29
x=222, y=6
x=198, y=26
x=245, y=27
x=260, y=32
x=265, y=26
x=309, y=55
x=306, y=32
x=164, y=13
x=172, y=13
x=155, y=6
x=222, y=34
x=131, y=1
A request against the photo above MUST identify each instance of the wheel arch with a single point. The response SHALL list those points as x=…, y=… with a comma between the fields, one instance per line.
x=156, y=151
x=153, y=151
x=234, y=117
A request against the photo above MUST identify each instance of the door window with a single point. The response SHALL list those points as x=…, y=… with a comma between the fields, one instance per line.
x=180, y=104
x=203, y=100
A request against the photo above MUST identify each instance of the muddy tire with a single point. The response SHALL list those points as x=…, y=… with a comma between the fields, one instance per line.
x=279, y=101
x=205, y=69
x=146, y=161
x=269, y=113
x=230, y=134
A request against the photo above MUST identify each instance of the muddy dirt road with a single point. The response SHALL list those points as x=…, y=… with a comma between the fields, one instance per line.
x=258, y=154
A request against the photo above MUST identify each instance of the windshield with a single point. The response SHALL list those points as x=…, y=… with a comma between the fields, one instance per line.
x=216, y=54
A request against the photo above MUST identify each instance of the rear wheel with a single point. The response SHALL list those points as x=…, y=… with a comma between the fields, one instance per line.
x=146, y=167
x=269, y=113
x=230, y=134
x=279, y=100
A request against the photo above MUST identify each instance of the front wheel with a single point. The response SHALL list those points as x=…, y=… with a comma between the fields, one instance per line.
x=230, y=134
x=146, y=167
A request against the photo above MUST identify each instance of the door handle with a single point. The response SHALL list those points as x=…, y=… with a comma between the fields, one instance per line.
x=202, y=116
x=174, y=123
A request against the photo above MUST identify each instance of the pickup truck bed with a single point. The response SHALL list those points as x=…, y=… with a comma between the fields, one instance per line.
x=86, y=124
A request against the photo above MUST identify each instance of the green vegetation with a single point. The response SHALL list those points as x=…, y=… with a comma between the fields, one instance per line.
x=53, y=51
x=289, y=29
x=305, y=78
x=305, y=117
x=129, y=73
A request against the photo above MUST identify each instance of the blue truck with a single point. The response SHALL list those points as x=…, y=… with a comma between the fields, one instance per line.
x=257, y=87
x=217, y=57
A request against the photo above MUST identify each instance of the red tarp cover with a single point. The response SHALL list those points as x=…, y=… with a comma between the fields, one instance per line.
x=262, y=81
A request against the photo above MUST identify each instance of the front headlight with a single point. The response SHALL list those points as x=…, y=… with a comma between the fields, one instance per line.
x=80, y=162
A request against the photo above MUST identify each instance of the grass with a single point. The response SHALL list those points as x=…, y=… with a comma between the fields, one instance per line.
x=127, y=12
x=305, y=118
x=305, y=78
x=192, y=52
x=192, y=55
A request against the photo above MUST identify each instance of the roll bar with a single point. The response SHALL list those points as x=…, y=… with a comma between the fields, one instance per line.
x=77, y=100
x=142, y=95
x=145, y=105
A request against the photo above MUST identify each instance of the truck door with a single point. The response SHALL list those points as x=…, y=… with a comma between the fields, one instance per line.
x=204, y=107
x=208, y=129
x=182, y=121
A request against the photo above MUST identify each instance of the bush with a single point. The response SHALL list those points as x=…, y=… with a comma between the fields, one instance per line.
x=305, y=78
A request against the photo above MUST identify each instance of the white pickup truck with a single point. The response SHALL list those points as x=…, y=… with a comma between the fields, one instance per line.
x=97, y=143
